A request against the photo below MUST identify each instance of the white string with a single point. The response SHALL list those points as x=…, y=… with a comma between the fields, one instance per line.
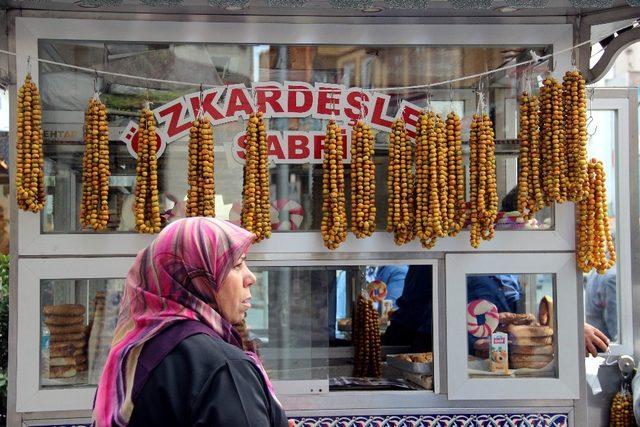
x=379, y=89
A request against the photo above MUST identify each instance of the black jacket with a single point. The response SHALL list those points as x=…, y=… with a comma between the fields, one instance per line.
x=204, y=381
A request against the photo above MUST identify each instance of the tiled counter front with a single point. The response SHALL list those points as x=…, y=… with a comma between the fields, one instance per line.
x=457, y=420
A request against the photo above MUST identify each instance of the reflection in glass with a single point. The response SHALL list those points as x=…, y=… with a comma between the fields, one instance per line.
x=295, y=188
x=511, y=325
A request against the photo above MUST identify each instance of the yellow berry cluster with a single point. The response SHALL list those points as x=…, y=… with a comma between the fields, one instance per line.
x=29, y=155
x=431, y=186
x=621, y=413
x=456, y=206
x=553, y=144
x=575, y=117
x=363, y=181
x=147, y=205
x=400, y=184
x=366, y=338
x=334, y=213
x=482, y=179
x=94, y=205
x=530, y=195
x=202, y=188
x=594, y=236
x=256, y=204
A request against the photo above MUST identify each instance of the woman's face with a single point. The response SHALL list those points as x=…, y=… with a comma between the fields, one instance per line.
x=234, y=296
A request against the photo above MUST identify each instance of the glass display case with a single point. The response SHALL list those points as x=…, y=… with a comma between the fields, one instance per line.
x=505, y=335
x=77, y=322
x=511, y=325
x=301, y=325
x=295, y=191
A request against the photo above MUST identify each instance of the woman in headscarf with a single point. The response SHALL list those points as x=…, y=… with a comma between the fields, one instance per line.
x=176, y=359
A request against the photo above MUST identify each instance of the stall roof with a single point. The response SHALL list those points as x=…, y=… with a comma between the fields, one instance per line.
x=324, y=7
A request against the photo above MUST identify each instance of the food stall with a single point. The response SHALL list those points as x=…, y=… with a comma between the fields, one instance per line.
x=318, y=314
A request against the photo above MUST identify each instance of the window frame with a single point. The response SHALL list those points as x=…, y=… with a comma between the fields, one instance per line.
x=620, y=101
x=32, y=398
x=29, y=396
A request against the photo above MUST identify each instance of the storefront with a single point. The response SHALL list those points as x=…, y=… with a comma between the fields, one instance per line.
x=305, y=294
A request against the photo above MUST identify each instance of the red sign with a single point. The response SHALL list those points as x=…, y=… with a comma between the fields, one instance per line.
x=323, y=101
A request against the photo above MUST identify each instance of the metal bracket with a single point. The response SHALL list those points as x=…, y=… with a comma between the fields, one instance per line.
x=611, y=52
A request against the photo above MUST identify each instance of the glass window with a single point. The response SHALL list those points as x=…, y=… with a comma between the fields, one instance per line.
x=295, y=188
x=511, y=325
x=306, y=324
x=302, y=321
x=77, y=324
x=601, y=290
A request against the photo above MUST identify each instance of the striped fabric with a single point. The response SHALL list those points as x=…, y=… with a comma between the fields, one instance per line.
x=174, y=279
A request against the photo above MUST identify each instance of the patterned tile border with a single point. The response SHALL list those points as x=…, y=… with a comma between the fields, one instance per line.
x=470, y=420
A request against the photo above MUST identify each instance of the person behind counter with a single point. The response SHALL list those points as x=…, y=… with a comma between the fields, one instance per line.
x=394, y=277
x=601, y=307
x=411, y=323
x=176, y=359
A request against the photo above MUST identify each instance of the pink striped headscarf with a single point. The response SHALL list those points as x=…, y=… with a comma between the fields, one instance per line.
x=174, y=279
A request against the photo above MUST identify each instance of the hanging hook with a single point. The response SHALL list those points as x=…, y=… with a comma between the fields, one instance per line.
x=481, y=100
x=29, y=64
x=591, y=92
x=147, y=102
x=362, y=105
x=95, y=83
x=200, y=102
x=451, y=97
x=254, y=98
x=399, y=107
x=428, y=96
x=529, y=81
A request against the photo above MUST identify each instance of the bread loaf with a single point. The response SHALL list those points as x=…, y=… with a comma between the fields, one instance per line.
x=545, y=311
x=62, y=361
x=528, y=365
x=529, y=331
x=78, y=344
x=516, y=319
x=66, y=337
x=531, y=349
x=61, y=351
x=69, y=329
x=64, y=310
x=63, y=320
x=531, y=358
x=62, y=372
x=531, y=341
